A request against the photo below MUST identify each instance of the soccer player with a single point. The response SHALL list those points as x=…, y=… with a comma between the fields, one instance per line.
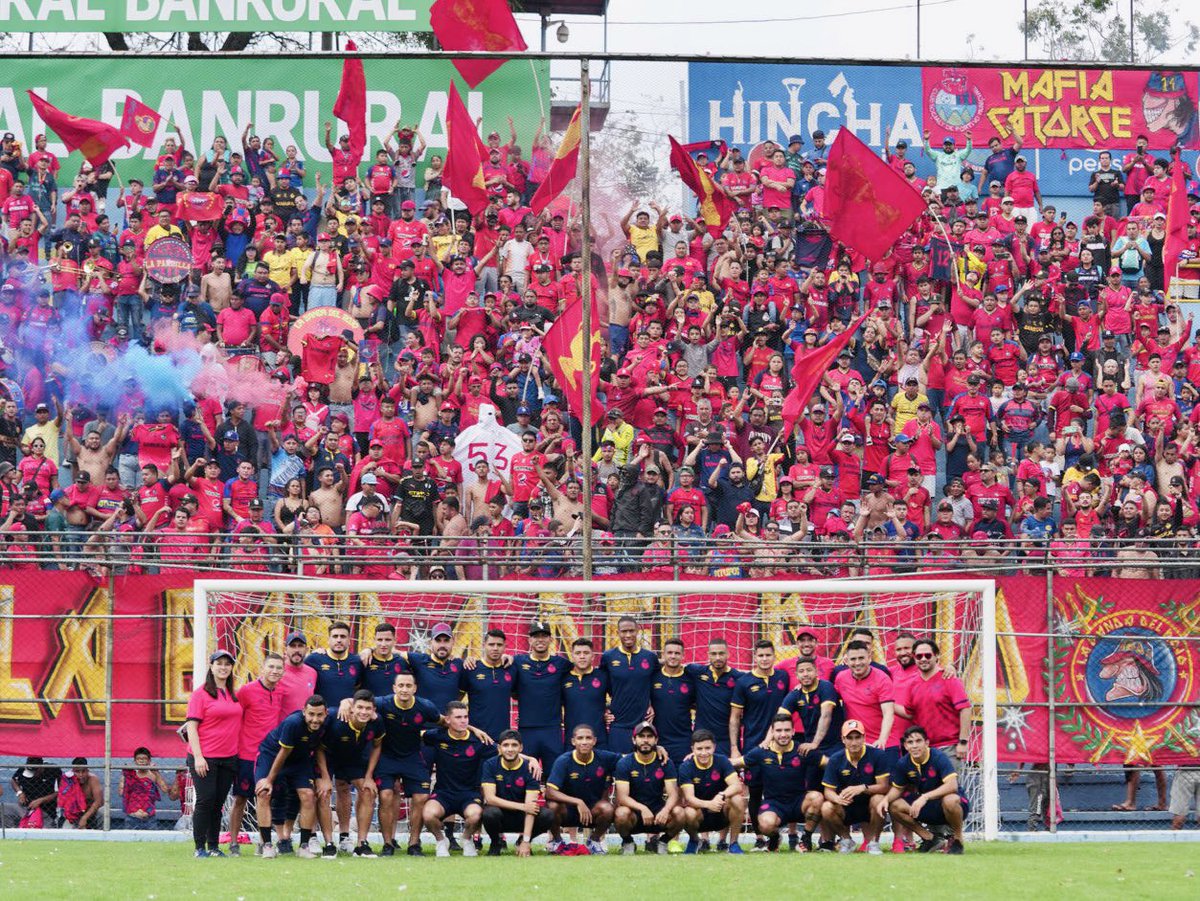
x=714, y=684
x=539, y=679
x=384, y=663
x=631, y=672
x=288, y=756
x=352, y=750
x=262, y=711
x=937, y=702
x=647, y=795
x=866, y=695
x=671, y=699
x=458, y=754
x=756, y=700
x=712, y=793
x=339, y=675
x=778, y=769
x=585, y=693
x=488, y=685
x=925, y=793
x=855, y=783
x=510, y=793
x=404, y=716
x=819, y=709
x=577, y=789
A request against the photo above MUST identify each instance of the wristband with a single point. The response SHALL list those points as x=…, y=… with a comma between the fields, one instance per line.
x=524, y=840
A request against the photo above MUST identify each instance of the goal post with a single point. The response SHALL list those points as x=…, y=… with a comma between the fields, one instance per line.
x=252, y=616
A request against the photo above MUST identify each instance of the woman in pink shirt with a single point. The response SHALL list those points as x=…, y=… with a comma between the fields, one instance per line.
x=214, y=722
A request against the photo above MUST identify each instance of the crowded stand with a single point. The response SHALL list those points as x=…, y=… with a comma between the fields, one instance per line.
x=1021, y=387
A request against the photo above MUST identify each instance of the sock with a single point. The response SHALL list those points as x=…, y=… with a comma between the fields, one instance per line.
x=342, y=836
x=265, y=834
x=305, y=835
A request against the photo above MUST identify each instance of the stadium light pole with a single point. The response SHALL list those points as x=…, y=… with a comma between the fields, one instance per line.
x=585, y=213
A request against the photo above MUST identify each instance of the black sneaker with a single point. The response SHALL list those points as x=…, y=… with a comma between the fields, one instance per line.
x=773, y=843
x=793, y=841
x=364, y=850
x=722, y=845
x=388, y=850
x=415, y=851
x=503, y=843
x=827, y=846
x=932, y=845
x=494, y=849
x=806, y=841
x=284, y=846
x=454, y=845
x=955, y=847
x=705, y=846
x=760, y=844
x=329, y=851
x=651, y=846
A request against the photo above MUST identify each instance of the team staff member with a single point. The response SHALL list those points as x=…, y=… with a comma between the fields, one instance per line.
x=488, y=685
x=352, y=749
x=630, y=672
x=539, y=678
x=647, y=795
x=819, y=710
x=299, y=682
x=577, y=789
x=855, y=784
x=756, y=700
x=925, y=793
x=214, y=724
x=585, y=693
x=458, y=755
x=262, y=711
x=866, y=694
x=712, y=793
x=937, y=702
x=289, y=756
x=438, y=672
x=510, y=793
x=714, y=684
x=671, y=699
x=779, y=769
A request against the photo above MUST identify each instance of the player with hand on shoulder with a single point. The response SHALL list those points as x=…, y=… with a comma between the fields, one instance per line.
x=925, y=793
x=713, y=799
x=577, y=789
x=510, y=793
x=779, y=769
x=352, y=750
x=819, y=708
x=647, y=795
x=458, y=754
x=855, y=784
x=287, y=757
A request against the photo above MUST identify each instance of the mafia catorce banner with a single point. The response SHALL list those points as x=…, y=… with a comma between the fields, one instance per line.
x=1122, y=669
x=214, y=15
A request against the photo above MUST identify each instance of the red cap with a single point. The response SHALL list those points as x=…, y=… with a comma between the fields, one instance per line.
x=324, y=236
x=408, y=205
x=280, y=298
x=624, y=273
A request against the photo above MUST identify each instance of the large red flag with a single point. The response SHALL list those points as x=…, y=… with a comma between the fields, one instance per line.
x=139, y=122
x=475, y=25
x=199, y=206
x=562, y=169
x=715, y=205
x=464, y=171
x=1178, y=215
x=868, y=204
x=808, y=371
x=351, y=103
x=564, y=349
x=95, y=140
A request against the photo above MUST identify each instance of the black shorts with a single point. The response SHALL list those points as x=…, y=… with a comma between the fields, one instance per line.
x=787, y=812
x=243, y=784
x=347, y=770
x=711, y=820
x=858, y=810
x=570, y=814
x=455, y=802
x=640, y=826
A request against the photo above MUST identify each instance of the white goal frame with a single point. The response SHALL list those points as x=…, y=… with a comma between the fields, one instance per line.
x=986, y=588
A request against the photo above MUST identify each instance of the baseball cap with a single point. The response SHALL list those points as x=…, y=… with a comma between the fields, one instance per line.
x=408, y=205
x=370, y=479
x=645, y=726
x=902, y=438
x=256, y=504
x=853, y=726
x=1076, y=357
x=294, y=637
x=229, y=435
x=440, y=630
x=827, y=472
x=539, y=627
x=720, y=529
x=218, y=654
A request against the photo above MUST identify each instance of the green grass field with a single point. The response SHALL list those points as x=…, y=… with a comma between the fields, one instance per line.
x=86, y=870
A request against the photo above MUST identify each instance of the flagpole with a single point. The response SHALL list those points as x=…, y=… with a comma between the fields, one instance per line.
x=585, y=214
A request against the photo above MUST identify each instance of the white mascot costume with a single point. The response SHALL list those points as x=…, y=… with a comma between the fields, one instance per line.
x=487, y=440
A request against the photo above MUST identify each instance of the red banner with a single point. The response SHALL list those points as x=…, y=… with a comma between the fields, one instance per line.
x=1126, y=668
x=1061, y=107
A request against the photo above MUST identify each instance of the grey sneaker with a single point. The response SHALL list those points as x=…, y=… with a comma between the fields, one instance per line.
x=269, y=852
x=845, y=846
x=235, y=850
x=304, y=852
x=346, y=845
x=628, y=849
x=873, y=848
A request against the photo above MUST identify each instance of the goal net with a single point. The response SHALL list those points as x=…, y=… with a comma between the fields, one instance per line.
x=253, y=617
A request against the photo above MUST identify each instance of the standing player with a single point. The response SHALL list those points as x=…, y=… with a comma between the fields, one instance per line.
x=539, y=679
x=671, y=699
x=856, y=786
x=817, y=705
x=756, y=701
x=577, y=789
x=712, y=792
x=384, y=663
x=925, y=793
x=288, y=756
x=714, y=684
x=352, y=749
x=585, y=693
x=488, y=685
x=778, y=770
x=647, y=795
x=458, y=755
x=630, y=670
x=510, y=793
x=404, y=716
x=937, y=703
x=262, y=711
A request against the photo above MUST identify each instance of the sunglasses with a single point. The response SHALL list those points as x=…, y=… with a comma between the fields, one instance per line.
x=922, y=656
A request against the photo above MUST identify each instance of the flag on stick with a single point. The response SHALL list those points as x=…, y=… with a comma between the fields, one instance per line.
x=351, y=103
x=808, y=371
x=562, y=169
x=715, y=205
x=464, y=171
x=139, y=122
x=564, y=349
x=475, y=25
x=97, y=141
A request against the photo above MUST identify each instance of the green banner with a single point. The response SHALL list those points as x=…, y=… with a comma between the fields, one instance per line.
x=214, y=15
x=286, y=99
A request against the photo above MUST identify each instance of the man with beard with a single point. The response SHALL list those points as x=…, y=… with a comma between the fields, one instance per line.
x=647, y=795
x=935, y=701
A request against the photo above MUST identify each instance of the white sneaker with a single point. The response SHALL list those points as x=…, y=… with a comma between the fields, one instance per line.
x=304, y=852
x=269, y=852
x=845, y=846
x=628, y=848
x=469, y=849
x=553, y=846
x=596, y=847
x=346, y=845
x=873, y=848
x=442, y=848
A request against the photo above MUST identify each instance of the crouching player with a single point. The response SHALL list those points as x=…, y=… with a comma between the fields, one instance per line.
x=712, y=793
x=577, y=789
x=352, y=750
x=647, y=795
x=779, y=769
x=510, y=793
x=925, y=793
x=856, y=784
x=287, y=760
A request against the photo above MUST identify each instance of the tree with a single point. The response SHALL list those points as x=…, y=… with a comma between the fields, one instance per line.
x=1098, y=30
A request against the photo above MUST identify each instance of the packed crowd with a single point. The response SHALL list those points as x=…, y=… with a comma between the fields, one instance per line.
x=1031, y=393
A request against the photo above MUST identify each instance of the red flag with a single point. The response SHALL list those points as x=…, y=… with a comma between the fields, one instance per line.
x=475, y=25
x=564, y=349
x=715, y=205
x=95, y=140
x=199, y=206
x=868, y=204
x=351, y=103
x=139, y=122
x=562, y=169
x=1178, y=216
x=808, y=372
x=464, y=171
